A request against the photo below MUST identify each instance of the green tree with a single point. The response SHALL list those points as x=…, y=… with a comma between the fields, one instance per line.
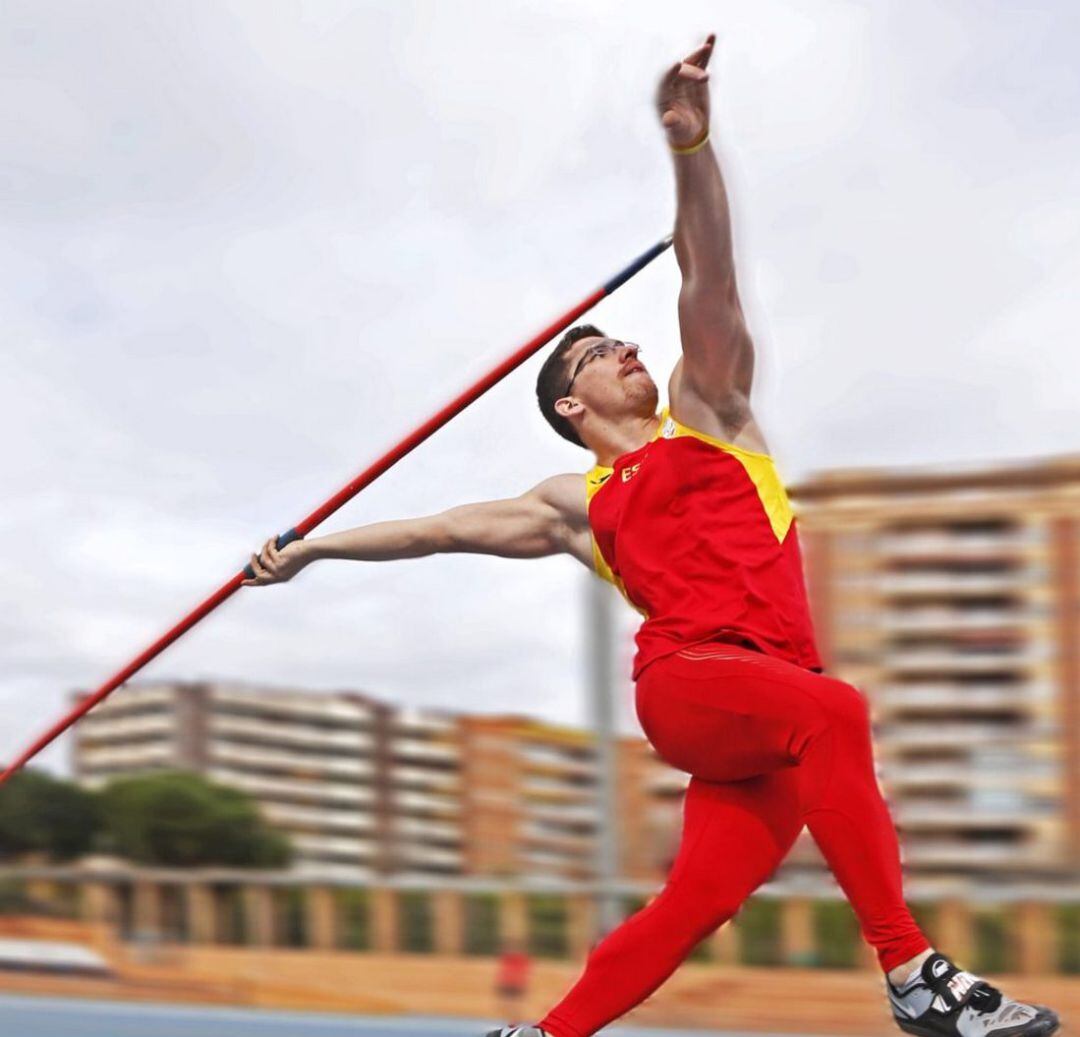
x=181, y=819
x=43, y=814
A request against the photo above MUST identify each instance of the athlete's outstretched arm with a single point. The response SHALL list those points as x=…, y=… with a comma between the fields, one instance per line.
x=717, y=365
x=549, y=519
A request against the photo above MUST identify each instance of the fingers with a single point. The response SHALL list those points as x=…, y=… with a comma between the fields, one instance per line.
x=264, y=566
x=693, y=73
x=700, y=57
x=679, y=76
x=683, y=71
x=693, y=65
x=258, y=570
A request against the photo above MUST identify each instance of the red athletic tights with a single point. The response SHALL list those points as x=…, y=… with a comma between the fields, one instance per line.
x=770, y=747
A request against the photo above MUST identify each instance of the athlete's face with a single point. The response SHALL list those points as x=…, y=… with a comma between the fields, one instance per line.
x=607, y=376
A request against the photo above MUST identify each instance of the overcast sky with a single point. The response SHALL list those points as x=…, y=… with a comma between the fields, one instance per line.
x=246, y=247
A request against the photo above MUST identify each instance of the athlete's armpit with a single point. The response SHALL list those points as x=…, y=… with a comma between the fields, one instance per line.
x=567, y=494
x=725, y=416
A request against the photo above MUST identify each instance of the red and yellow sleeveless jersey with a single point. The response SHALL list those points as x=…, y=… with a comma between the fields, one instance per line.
x=699, y=537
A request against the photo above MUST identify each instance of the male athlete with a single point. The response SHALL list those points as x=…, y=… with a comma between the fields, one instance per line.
x=685, y=513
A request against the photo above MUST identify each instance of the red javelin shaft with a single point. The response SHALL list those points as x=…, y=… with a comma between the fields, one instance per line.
x=365, y=478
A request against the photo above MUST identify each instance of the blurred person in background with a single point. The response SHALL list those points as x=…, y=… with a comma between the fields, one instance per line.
x=512, y=981
x=685, y=512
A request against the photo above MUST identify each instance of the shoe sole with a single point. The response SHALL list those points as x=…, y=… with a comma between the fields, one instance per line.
x=1042, y=1025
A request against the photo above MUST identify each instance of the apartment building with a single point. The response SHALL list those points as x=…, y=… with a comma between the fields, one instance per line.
x=365, y=788
x=531, y=801
x=422, y=766
x=357, y=786
x=953, y=600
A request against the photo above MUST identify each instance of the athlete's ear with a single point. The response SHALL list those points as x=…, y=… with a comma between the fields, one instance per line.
x=565, y=406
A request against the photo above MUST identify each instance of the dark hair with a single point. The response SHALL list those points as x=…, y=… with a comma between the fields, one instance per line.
x=552, y=379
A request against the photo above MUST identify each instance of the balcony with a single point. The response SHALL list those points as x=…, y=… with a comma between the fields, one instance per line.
x=966, y=815
x=408, y=720
x=955, y=584
x=557, y=791
x=325, y=821
x=320, y=869
x=291, y=708
x=102, y=729
x=1008, y=544
x=430, y=855
x=565, y=814
x=940, y=853
x=314, y=846
x=957, y=660
x=533, y=833
x=132, y=757
x=416, y=828
x=136, y=699
x=312, y=790
x=949, y=698
x=414, y=749
x=297, y=734
x=563, y=768
x=548, y=859
x=236, y=755
x=1009, y=620
x=443, y=805
x=557, y=756
x=914, y=735
x=429, y=777
x=901, y=774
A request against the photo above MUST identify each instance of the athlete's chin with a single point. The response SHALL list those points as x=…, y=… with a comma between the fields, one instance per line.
x=645, y=394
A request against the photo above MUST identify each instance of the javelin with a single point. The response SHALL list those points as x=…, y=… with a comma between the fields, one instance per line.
x=365, y=478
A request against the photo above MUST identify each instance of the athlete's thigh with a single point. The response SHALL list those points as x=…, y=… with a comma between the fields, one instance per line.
x=736, y=834
x=730, y=716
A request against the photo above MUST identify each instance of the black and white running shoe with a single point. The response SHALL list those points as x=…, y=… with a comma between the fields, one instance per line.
x=942, y=1000
x=517, y=1031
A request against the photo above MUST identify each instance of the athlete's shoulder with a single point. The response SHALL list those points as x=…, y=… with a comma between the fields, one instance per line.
x=565, y=492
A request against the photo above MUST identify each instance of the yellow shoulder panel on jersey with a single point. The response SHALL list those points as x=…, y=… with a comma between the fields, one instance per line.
x=594, y=479
x=760, y=468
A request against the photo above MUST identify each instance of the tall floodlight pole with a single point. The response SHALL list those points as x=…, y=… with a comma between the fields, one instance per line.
x=599, y=635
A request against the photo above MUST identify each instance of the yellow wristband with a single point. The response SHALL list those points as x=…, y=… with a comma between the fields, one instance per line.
x=691, y=148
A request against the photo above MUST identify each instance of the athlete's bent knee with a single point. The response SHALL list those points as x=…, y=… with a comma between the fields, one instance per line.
x=848, y=705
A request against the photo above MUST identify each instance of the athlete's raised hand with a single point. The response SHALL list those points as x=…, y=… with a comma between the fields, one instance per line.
x=274, y=566
x=682, y=99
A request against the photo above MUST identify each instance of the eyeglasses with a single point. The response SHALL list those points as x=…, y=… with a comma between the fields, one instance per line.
x=600, y=349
